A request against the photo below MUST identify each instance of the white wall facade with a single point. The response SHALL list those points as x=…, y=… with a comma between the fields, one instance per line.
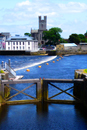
x=22, y=45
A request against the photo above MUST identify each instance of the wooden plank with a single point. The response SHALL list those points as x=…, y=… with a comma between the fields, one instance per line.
x=45, y=90
x=64, y=80
x=21, y=102
x=20, y=81
x=39, y=91
x=63, y=101
x=20, y=92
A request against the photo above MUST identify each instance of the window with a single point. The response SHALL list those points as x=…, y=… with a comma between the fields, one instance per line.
x=28, y=43
x=20, y=47
x=8, y=48
x=13, y=48
x=16, y=43
x=23, y=47
x=20, y=43
x=23, y=43
x=40, y=36
x=13, y=43
x=17, y=47
x=8, y=43
x=28, y=48
x=42, y=25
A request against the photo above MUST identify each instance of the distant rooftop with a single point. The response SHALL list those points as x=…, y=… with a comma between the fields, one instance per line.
x=68, y=44
x=34, y=31
x=18, y=37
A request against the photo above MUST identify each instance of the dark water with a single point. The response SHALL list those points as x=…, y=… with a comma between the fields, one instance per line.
x=53, y=116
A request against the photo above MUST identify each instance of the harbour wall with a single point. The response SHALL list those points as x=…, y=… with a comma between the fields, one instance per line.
x=80, y=89
x=6, y=91
x=50, y=53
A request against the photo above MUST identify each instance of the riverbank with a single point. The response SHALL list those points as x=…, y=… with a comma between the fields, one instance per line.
x=50, y=52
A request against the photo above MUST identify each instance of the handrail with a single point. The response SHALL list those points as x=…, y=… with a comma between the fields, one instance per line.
x=10, y=70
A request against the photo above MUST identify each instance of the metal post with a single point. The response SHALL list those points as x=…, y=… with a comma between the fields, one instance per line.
x=2, y=65
x=9, y=62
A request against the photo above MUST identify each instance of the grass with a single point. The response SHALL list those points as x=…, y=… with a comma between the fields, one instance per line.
x=85, y=70
x=1, y=71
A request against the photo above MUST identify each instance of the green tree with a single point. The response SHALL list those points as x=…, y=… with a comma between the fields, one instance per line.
x=62, y=40
x=85, y=34
x=82, y=38
x=74, y=38
x=27, y=34
x=52, y=36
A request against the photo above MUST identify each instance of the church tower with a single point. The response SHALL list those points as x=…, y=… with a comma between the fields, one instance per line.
x=42, y=27
x=42, y=23
x=38, y=34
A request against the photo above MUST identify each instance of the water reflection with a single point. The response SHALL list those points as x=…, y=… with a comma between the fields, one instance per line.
x=3, y=112
x=42, y=117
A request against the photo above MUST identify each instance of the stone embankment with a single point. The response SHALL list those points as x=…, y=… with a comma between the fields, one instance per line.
x=6, y=91
x=80, y=88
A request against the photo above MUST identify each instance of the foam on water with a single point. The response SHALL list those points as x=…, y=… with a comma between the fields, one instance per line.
x=37, y=63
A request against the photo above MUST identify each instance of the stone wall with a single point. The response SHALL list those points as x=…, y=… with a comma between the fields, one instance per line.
x=4, y=76
x=80, y=89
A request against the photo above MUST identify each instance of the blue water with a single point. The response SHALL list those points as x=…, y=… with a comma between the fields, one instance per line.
x=53, y=116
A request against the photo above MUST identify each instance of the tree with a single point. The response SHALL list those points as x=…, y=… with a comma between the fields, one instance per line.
x=27, y=34
x=74, y=38
x=85, y=34
x=82, y=38
x=62, y=40
x=52, y=36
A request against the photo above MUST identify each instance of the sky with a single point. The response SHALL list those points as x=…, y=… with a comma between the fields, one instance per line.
x=19, y=16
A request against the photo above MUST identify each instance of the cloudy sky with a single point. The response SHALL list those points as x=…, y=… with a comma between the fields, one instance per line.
x=19, y=16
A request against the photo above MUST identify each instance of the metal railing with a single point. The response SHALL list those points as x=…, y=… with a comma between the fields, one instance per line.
x=10, y=70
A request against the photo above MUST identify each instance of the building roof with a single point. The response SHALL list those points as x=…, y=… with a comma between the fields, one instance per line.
x=17, y=37
x=83, y=43
x=1, y=35
x=68, y=44
x=34, y=31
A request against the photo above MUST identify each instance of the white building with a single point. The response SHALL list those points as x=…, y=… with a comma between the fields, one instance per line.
x=2, y=42
x=23, y=43
x=69, y=46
